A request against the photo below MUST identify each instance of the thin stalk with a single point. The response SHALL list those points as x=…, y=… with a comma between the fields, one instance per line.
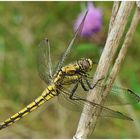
x=88, y=122
x=114, y=13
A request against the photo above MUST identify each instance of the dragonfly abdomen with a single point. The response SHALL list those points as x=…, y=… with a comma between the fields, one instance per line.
x=47, y=94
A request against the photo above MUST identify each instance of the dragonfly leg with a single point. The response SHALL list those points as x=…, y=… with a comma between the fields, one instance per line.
x=83, y=86
x=70, y=94
x=106, y=112
x=73, y=91
x=89, y=84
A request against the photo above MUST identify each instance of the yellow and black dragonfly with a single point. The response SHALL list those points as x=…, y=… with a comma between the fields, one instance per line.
x=74, y=74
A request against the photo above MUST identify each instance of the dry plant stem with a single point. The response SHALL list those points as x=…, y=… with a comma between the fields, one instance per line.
x=123, y=51
x=114, y=13
x=119, y=60
x=88, y=122
x=138, y=4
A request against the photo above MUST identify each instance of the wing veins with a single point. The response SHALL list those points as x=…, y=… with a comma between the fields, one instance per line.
x=106, y=112
x=66, y=52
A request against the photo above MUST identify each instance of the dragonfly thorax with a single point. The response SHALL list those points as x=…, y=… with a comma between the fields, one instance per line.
x=72, y=73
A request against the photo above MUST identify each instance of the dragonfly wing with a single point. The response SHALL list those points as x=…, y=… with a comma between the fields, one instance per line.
x=44, y=61
x=122, y=96
x=66, y=102
x=77, y=105
x=106, y=112
x=68, y=49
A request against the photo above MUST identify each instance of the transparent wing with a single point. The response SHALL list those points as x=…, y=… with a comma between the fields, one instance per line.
x=44, y=58
x=77, y=105
x=44, y=61
x=122, y=96
x=68, y=49
x=66, y=102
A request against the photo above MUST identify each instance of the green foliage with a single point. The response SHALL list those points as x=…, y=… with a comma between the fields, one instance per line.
x=87, y=50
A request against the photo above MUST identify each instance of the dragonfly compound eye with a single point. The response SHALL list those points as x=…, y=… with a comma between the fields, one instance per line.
x=86, y=64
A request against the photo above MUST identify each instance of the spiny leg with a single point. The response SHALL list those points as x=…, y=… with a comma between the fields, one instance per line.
x=73, y=91
x=83, y=85
x=67, y=96
x=70, y=94
x=88, y=83
x=85, y=77
x=95, y=84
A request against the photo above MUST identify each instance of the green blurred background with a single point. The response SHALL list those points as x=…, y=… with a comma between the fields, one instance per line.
x=22, y=27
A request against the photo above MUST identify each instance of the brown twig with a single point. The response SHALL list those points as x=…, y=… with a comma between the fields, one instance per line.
x=114, y=13
x=88, y=122
x=122, y=54
x=138, y=4
x=126, y=44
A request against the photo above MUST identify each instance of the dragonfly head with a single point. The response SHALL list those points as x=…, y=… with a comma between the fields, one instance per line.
x=86, y=64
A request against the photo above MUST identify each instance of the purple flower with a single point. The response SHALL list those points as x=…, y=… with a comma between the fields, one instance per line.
x=93, y=21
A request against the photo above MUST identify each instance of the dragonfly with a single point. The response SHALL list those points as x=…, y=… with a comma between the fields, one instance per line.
x=74, y=74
